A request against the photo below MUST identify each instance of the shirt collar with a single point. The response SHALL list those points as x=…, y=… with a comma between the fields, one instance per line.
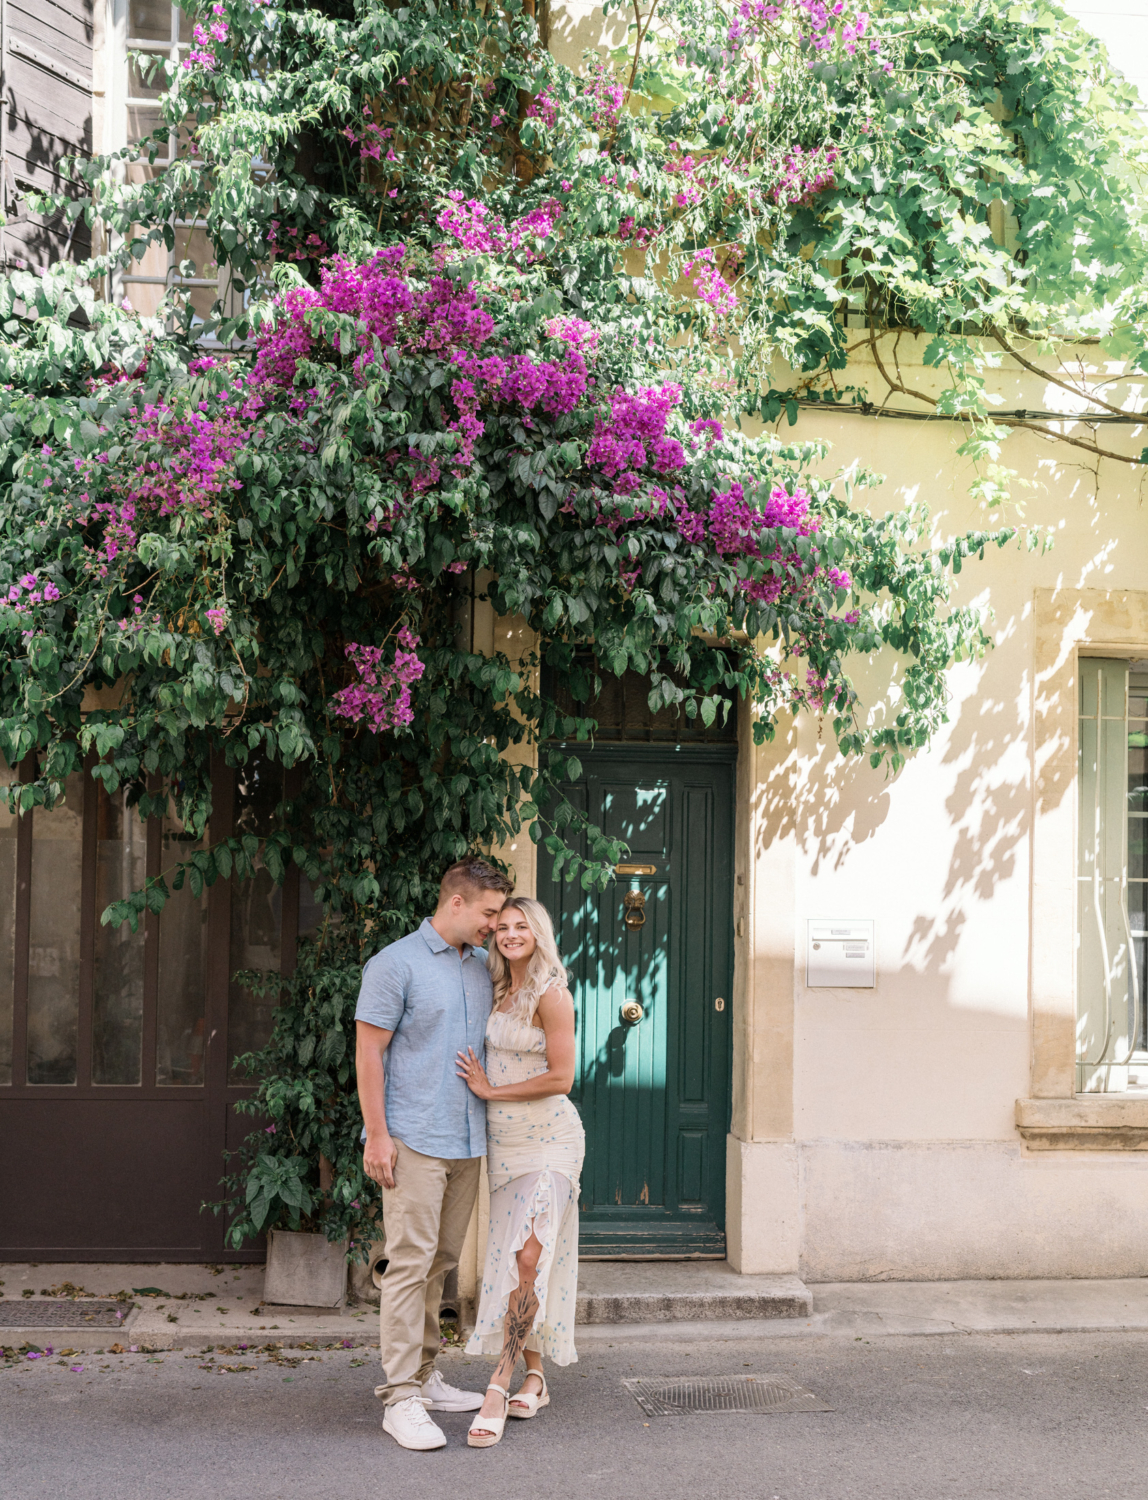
x=435, y=940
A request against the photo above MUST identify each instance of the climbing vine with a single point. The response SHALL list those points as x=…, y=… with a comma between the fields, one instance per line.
x=494, y=331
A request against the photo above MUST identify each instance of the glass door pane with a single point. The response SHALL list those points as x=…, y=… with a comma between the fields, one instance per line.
x=117, y=1015
x=256, y=915
x=180, y=1003
x=7, y=924
x=54, y=945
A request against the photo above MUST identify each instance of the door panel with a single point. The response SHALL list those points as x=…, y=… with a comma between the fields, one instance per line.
x=654, y=1096
x=112, y=1179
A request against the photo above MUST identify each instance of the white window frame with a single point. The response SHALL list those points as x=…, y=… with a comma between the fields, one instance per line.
x=119, y=103
x=1068, y=626
x=1109, y=983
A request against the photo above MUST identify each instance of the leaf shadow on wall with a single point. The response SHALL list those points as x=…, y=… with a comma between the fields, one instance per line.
x=831, y=806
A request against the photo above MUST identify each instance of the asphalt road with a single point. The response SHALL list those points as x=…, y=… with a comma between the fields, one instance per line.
x=1028, y=1417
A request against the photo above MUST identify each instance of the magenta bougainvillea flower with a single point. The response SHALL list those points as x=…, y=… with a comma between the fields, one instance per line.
x=382, y=695
x=628, y=452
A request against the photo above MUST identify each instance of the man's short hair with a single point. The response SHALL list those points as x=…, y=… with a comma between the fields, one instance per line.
x=467, y=877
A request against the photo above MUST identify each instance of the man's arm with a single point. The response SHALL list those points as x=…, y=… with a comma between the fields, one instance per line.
x=379, y=1150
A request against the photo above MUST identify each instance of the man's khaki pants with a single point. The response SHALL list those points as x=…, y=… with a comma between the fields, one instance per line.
x=425, y=1218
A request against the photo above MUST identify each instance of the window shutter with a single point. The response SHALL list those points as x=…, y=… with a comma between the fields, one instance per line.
x=1103, y=956
x=46, y=62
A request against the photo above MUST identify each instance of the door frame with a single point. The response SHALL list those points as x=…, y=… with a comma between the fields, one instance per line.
x=718, y=753
x=45, y=1121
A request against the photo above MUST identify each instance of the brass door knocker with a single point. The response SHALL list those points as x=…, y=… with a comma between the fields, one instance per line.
x=634, y=905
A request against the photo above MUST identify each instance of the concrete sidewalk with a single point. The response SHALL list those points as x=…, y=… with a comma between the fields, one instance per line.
x=175, y=1307
x=194, y=1307
x=873, y=1310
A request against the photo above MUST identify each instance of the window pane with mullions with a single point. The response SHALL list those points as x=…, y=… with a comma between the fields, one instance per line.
x=143, y=120
x=1137, y=774
x=1137, y=845
x=1106, y=988
x=146, y=78
x=155, y=21
x=201, y=298
x=158, y=31
x=193, y=244
x=1138, y=905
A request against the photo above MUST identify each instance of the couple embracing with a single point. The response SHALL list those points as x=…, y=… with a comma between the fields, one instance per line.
x=432, y=1006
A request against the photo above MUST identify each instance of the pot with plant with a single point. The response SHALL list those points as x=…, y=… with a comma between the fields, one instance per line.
x=297, y=1178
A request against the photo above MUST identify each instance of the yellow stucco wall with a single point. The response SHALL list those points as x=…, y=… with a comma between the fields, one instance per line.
x=900, y=1156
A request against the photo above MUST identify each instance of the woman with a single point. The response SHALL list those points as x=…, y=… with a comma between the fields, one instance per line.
x=535, y=1147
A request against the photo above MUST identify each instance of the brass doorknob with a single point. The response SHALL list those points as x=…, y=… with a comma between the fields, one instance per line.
x=632, y=1013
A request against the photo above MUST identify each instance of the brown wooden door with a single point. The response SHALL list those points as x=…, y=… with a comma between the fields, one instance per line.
x=117, y=1086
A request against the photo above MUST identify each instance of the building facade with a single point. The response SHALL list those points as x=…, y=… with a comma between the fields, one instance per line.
x=830, y=1022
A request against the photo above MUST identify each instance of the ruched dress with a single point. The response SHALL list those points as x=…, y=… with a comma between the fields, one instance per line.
x=534, y=1153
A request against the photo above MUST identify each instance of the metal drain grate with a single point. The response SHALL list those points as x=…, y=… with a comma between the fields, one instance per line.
x=722, y=1393
x=30, y=1313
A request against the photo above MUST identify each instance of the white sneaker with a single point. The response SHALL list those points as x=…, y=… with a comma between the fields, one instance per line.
x=438, y=1396
x=408, y=1423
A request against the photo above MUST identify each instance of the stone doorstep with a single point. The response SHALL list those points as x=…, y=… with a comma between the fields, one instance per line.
x=684, y=1291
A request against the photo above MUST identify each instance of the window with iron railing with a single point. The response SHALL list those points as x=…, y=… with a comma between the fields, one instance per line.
x=1112, y=878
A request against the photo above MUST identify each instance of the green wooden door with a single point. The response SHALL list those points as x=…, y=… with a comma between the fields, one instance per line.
x=654, y=1095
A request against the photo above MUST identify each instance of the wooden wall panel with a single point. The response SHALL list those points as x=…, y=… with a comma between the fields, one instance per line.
x=62, y=32
x=47, y=114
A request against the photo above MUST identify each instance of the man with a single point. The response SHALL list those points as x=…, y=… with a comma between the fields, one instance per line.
x=423, y=1000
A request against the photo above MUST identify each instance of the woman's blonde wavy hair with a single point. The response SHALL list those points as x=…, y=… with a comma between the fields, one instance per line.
x=545, y=969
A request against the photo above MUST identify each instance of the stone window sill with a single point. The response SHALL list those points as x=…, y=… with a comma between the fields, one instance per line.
x=1088, y=1122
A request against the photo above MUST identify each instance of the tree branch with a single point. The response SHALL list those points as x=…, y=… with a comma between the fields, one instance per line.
x=902, y=389
x=642, y=30
x=1055, y=380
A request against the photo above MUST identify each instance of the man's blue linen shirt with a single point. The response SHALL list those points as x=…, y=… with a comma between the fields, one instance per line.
x=437, y=1004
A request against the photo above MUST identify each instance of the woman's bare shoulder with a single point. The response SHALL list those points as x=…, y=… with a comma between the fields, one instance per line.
x=556, y=999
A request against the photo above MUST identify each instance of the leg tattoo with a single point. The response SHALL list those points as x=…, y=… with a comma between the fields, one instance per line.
x=520, y=1311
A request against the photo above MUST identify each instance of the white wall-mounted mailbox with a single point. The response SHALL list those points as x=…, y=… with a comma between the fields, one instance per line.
x=841, y=954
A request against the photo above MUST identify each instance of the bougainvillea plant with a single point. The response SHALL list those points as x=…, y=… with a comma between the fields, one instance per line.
x=489, y=332
x=772, y=184
x=268, y=556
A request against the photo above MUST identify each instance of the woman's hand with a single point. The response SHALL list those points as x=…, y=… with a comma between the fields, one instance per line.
x=474, y=1074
